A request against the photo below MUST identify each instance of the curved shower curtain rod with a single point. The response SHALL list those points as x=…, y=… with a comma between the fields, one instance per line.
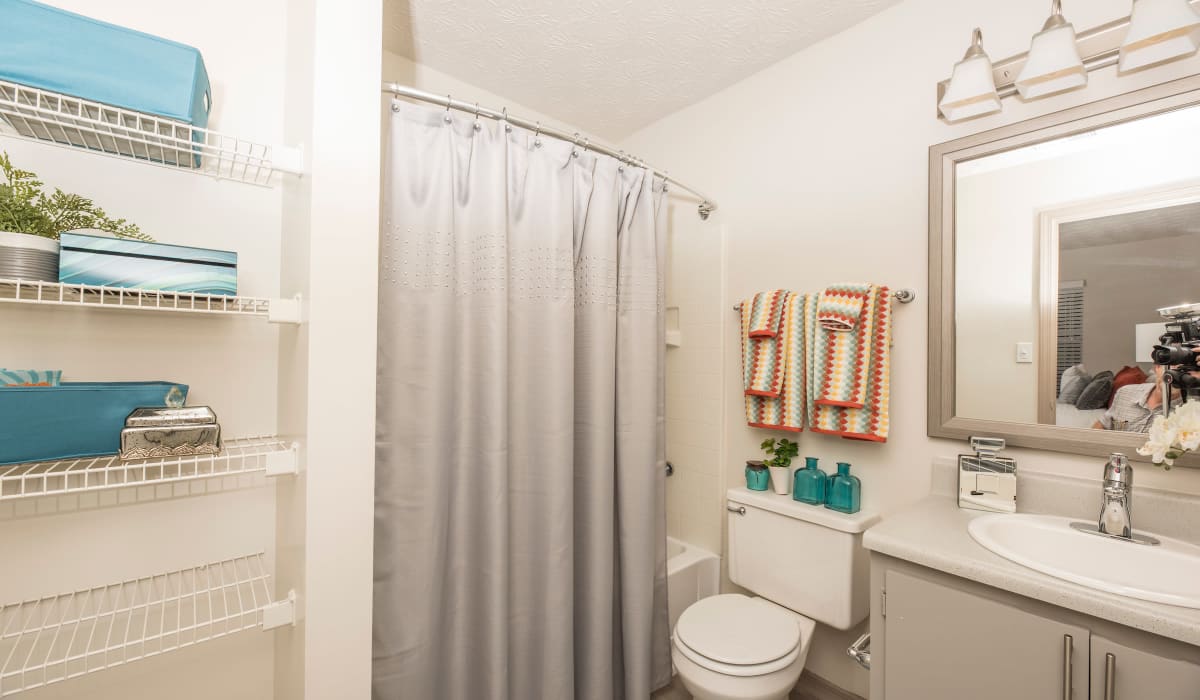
x=707, y=205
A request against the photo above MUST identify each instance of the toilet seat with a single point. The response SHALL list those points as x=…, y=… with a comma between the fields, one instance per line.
x=735, y=635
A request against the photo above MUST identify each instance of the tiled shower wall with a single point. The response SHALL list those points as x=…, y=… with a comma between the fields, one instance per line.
x=694, y=417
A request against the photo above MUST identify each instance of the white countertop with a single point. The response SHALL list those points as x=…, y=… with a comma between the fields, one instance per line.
x=933, y=533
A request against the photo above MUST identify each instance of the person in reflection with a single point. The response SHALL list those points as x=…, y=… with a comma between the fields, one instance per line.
x=1135, y=406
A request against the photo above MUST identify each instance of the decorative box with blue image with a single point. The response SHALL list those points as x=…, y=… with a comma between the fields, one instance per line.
x=115, y=262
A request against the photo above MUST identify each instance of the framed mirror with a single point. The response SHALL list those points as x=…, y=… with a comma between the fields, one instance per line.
x=1061, y=250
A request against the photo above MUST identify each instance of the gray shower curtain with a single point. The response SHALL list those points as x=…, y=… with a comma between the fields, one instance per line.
x=520, y=548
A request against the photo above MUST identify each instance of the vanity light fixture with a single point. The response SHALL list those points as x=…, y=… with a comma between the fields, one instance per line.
x=1059, y=59
x=1159, y=31
x=972, y=89
x=1054, y=64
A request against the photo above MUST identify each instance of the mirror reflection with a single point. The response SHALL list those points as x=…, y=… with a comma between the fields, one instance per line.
x=1078, y=277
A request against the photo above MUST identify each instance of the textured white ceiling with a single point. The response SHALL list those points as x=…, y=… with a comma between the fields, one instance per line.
x=1145, y=225
x=610, y=66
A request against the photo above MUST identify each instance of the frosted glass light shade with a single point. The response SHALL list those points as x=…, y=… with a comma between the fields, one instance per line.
x=1054, y=64
x=1159, y=30
x=972, y=90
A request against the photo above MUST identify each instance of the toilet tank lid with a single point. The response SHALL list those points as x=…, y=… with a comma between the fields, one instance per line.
x=818, y=515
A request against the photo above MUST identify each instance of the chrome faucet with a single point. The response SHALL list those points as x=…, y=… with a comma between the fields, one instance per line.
x=1116, y=503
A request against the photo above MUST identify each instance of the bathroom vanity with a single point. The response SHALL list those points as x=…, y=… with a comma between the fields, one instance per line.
x=950, y=619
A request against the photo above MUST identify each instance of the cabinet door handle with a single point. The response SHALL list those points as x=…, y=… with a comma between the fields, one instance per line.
x=1110, y=677
x=1067, y=664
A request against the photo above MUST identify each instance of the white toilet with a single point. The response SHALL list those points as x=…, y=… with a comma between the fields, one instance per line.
x=807, y=564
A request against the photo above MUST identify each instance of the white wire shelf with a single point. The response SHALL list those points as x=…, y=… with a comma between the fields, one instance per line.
x=85, y=295
x=69, y=121
x=60, y=637
x=250, y=455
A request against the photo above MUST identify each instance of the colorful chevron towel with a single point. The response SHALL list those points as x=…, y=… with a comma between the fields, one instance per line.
x=841, y=306
x=785, y=409
x=762, y=345
x=766, y=312
x=838, y=369
x=840, y=353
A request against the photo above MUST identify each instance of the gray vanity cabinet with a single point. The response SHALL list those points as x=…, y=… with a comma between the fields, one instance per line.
x=1122, y=672
x=946, y=643
x=935, y=636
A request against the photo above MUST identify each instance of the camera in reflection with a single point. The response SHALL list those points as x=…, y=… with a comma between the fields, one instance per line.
x=1176, y=349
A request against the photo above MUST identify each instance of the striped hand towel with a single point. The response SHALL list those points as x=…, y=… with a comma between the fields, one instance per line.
x=784, y=411
x=842, y=356
x=766, y=312
x=871, y=358
x=762, y=356
x=841, y=305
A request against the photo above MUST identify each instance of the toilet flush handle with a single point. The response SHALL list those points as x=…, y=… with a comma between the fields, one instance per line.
x=860, y=651
x=740, y=510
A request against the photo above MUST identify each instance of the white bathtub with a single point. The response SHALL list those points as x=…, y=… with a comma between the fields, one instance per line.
x=692, y=573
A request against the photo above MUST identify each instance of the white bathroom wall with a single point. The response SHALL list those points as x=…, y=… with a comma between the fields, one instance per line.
x=694, y=406
x=819, y=164
x=339, y=380
x=1117, y=295
x=53, y=546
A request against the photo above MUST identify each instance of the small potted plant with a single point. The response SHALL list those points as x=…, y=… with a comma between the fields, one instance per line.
x=757, y=476
x=779, y=461
x=31, y=221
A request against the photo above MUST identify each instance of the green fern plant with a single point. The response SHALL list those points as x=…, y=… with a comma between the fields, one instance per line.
x=780, y=454
x=26, y=208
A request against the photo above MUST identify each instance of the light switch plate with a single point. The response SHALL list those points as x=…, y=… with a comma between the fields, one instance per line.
x=1024, y=353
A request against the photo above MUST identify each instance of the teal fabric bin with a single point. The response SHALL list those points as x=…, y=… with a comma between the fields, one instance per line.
x=117, y=262
x=74, y=419
x=52, y=49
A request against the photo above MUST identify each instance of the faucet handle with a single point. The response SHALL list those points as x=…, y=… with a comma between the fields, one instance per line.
x=1118, y=470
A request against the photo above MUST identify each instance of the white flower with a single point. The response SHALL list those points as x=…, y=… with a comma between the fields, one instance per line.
x=1186, y=422
x=1161, y=442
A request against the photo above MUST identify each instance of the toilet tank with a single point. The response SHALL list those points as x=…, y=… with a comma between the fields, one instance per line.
x=809, y=559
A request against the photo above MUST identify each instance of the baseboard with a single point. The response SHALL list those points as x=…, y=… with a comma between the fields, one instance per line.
x=812, y=687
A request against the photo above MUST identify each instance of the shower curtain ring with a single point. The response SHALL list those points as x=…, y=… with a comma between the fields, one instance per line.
x=446, y=117
x=537, y=135
x=504, y=118
x=478, y=126
x=575, y=150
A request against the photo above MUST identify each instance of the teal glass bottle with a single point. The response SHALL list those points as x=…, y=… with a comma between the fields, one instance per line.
x=845, y=491
x=809, y=483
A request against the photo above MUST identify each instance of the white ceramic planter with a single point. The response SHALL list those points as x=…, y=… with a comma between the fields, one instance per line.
x=781, y=480
x=27, y=257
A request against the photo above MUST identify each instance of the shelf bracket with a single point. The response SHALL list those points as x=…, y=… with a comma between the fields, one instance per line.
x=285, y=311
x=280, y=613
x=288, y=159
x=284, y=462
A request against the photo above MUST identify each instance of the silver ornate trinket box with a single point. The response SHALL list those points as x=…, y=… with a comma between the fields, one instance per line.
x=170, y=432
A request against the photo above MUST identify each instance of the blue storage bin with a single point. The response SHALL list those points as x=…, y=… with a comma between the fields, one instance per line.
x=116, y=262
x=51, y=49
x=74, y=419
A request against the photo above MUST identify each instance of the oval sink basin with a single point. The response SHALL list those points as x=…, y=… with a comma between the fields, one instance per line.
x=1165, y=573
